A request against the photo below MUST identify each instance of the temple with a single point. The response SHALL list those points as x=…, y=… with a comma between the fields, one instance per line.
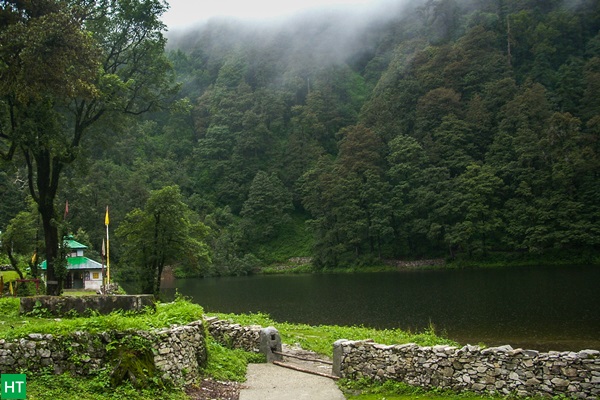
x=82, y=272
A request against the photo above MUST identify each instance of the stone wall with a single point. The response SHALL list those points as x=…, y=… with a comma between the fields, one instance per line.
x=179, y=352
x=81, y=305
x=502, y=370
x=251, y=338
x=234, y=336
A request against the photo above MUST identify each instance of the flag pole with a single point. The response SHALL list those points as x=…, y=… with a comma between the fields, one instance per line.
x=106, y=222
x=103, y=275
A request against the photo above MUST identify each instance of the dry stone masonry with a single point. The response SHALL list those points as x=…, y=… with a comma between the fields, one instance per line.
x=234, y=336
x=179, y=352
x=251, y=338
x=502, y=370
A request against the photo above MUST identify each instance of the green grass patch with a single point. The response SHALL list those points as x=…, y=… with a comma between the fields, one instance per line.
x=13, y=325
x=292, y=240
x=9, y=276
x=47, y=386
x=226, y=364
x=366, y=389
x=9, y=315
x=9, y=308
x=70, y=292
x=320, y=338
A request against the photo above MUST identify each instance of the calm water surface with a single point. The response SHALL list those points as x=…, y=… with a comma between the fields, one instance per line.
x=543, y=308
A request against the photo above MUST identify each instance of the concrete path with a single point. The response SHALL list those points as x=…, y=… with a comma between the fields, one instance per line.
x=271, y=382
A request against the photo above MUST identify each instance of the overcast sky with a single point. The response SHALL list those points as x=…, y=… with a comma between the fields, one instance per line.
x=184, y=13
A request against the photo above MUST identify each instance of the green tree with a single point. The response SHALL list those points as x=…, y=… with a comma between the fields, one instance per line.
x=407, y=174
x=165, y=232
x=319, y=199
x=591, y=95
x=20, y=241
x=70, y=67
x=391, y=108
x=266, y=208
x=474, y=208
x=302, y=150
x=451, y=145
x=13, y=190
x=364, y=213
x=349, y=200
x=433, y=107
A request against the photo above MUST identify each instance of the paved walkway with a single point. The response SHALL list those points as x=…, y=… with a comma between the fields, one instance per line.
x=271, y=382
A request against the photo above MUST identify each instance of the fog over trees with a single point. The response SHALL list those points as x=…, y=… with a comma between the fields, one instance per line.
x=433, y=129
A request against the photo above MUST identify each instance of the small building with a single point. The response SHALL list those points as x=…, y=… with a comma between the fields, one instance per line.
x=82, y=272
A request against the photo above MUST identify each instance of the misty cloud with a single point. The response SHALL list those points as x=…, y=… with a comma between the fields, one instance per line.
x=323, y=36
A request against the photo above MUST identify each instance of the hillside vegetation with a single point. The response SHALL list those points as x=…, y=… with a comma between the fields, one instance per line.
x=445, y=128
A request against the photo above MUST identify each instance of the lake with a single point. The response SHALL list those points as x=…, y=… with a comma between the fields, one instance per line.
x=542, y=308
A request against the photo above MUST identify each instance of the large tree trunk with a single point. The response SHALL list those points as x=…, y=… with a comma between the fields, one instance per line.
x=46, y=179
x=51, y=238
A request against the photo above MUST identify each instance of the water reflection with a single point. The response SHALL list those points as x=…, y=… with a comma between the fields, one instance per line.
x=552, y=308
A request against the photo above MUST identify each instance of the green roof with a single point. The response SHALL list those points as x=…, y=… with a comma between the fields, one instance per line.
x=74, y=245
x=78, y=263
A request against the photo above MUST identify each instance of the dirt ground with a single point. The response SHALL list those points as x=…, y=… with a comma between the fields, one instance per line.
x=211, y=390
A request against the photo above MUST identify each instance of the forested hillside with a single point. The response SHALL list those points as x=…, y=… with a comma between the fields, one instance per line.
x=443, y=128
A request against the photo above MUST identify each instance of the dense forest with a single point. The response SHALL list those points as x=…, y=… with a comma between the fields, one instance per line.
x=439, y=129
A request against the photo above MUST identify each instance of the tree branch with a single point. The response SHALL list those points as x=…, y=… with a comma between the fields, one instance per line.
x=35, y=196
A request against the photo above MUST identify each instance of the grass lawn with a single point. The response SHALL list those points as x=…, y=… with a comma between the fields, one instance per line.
x=9, y=276
x=425, y=396
x=364, y=390
x=80, y=292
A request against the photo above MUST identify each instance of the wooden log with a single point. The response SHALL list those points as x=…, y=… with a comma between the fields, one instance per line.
x=303, y=358
x=308, y=371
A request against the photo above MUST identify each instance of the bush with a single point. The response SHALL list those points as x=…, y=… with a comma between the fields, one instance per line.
x=9, y=308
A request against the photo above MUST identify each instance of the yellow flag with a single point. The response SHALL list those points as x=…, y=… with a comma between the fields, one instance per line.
x=106, y=220
x=10, y=288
